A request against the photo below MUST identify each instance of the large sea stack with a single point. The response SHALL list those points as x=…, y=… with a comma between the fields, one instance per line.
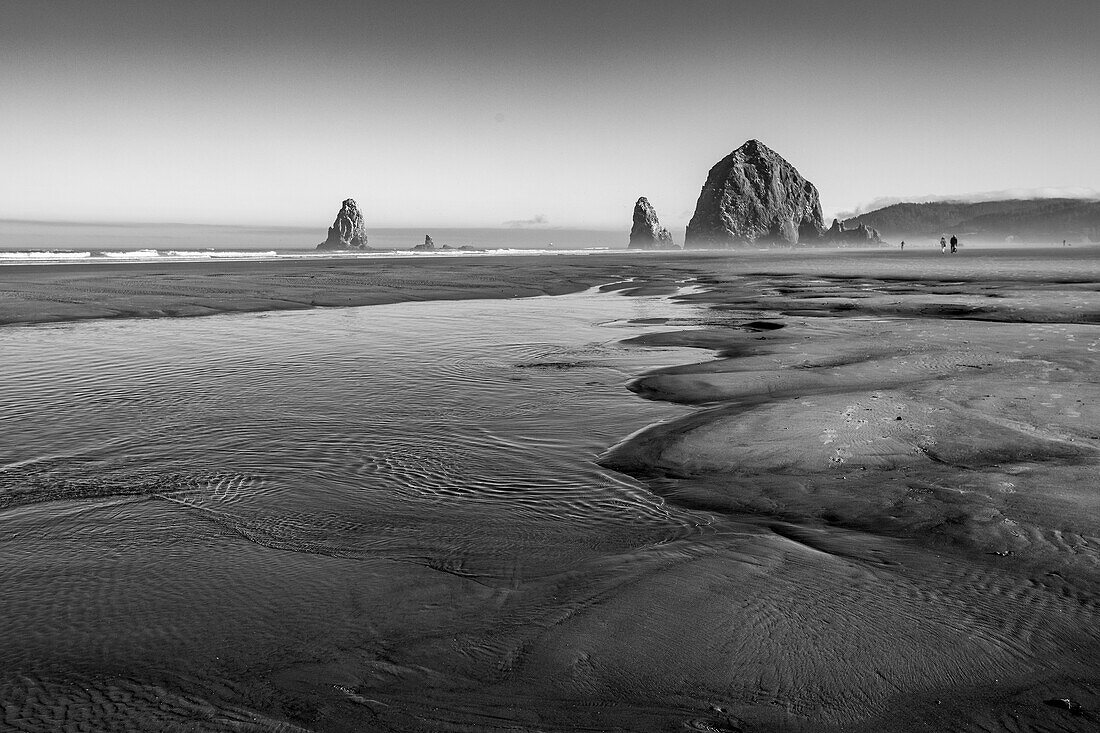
x=753, y=196
x=647, y=232
x=348, y=231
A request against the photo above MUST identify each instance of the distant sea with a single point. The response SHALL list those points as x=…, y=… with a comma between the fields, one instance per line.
x=33, y=241
x=26, y=242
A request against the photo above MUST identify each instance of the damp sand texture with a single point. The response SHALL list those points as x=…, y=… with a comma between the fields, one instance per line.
x=853, y=492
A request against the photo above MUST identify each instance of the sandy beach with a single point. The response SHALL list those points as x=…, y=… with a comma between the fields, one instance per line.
x=897, y=453
x=69, y=292
x=52, y=293
x=501, y=367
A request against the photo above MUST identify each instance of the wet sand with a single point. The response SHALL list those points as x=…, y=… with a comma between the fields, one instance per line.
x=55, y=293
x=69, y=292
x=899, y=453
x=909, y=455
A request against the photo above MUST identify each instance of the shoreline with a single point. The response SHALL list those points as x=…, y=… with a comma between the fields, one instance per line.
x=53, y=293
x=34, y=293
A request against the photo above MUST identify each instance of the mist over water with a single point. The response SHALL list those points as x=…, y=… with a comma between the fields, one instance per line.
x=25, y=242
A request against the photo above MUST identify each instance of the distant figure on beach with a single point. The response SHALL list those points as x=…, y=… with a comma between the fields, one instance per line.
x=954, y=243
x=903, y=244
x=943, y=245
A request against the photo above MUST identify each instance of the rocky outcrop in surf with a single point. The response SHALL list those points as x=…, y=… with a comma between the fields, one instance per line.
x=647, y=232
x=428, y=246
x=753, y=196
x=348, y=231
x=860, y=234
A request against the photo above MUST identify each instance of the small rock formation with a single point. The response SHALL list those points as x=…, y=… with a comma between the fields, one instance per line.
x=348, y=231
x=647, y=232
x=428, y=246
x=862, y=234
x=753, y=196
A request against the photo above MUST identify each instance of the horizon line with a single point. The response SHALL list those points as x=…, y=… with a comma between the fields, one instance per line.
x=297, y=227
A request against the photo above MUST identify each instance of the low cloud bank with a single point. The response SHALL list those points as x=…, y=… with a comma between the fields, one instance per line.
x=535, y=221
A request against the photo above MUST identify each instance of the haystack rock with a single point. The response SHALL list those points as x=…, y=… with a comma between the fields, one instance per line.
x=647, y=232
x=428, y=246
x=862, y=234
x=348, y=231
x=753, y=196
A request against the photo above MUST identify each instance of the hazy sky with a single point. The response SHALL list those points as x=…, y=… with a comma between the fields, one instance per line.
x=468, y=113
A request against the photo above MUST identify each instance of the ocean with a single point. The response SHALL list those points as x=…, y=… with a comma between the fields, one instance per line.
x=28, y=242
x=43, y=242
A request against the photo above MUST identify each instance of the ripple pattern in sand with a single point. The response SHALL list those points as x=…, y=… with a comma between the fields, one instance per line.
x=184, y=503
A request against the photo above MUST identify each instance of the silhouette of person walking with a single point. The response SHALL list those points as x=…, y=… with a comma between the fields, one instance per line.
x=954, y=243
x=943, y=245
x=903, y=244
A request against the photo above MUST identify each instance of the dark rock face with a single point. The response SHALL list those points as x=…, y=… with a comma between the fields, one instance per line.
x=861, y=234
x=647, y=232
x=348, y=231
x=753, y=196
x=428, y=246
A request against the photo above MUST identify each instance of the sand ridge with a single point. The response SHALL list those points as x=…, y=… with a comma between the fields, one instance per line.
x=953, y=432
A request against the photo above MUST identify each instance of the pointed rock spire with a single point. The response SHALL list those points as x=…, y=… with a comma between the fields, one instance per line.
x=348, y=231
x=647, y=232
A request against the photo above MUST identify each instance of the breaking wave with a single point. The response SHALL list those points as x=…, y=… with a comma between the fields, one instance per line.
x=91, y=256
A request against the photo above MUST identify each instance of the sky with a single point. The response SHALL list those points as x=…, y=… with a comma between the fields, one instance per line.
x=550, y=114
